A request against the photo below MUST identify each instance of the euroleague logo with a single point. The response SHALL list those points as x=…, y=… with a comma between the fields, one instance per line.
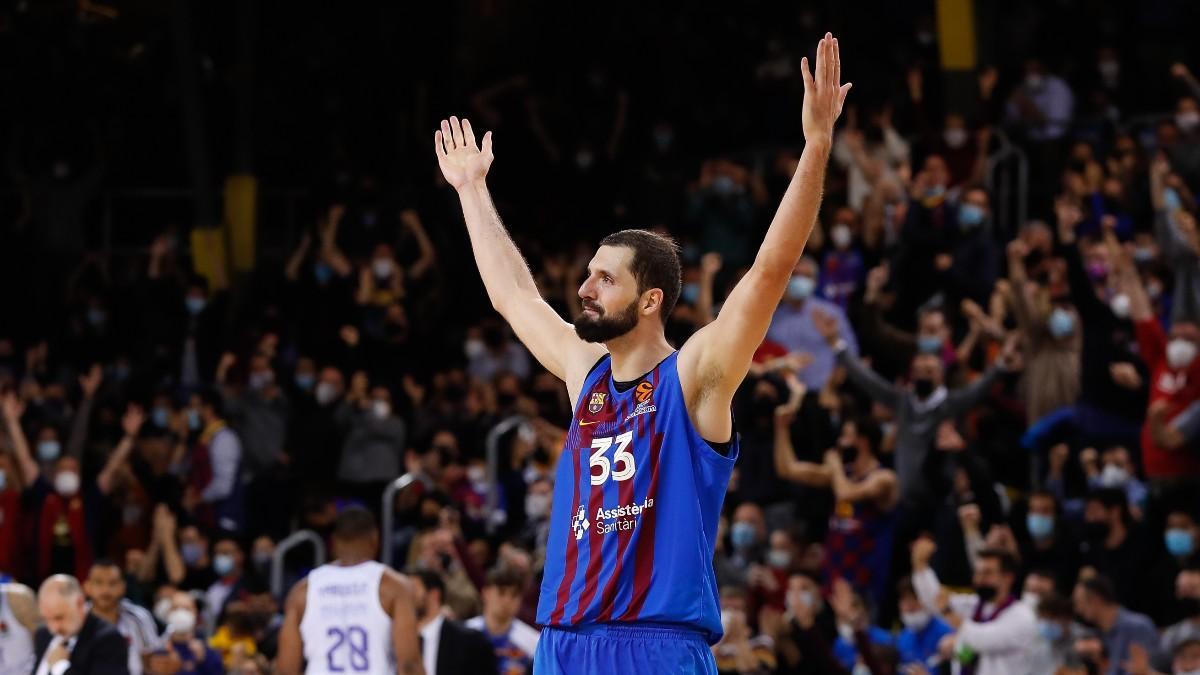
x=643, y=392
x=645, y=404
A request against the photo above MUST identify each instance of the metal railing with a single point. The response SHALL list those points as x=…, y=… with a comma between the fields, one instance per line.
x=493, y=465
x=281, y=550
x=388, y=513
x=1007, y=181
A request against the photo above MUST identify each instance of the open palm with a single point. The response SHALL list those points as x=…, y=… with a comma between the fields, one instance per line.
x=824, y=92
x=461, y=160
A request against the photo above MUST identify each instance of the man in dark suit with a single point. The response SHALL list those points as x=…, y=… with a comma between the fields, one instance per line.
x=447, y=647
x=74, y=641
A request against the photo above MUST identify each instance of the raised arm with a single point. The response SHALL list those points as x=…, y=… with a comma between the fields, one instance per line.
x=505, y=274
x=132, y=424
x=715, y=360
x=13, y=408
x=412, y=222
x=787, y=466
x=88, y=383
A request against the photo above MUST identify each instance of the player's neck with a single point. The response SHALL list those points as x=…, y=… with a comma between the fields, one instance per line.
x=109, y=616
x=496, y=625
x=638, y=351
x=352, y=560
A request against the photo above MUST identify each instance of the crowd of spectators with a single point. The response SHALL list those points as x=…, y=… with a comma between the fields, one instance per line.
x=965, y=444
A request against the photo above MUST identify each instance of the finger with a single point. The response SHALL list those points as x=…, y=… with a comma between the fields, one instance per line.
x=447, y=138
x=842, y=96
x=456, y=131
x=438, y=148
x=837, y=62
x=468, y=134
x=829, y=61
x=806, y=74
x=487, y=143
x=819, y=67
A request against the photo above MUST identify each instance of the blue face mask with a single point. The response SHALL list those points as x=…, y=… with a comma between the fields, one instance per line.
x=1050, y=631
x=161, y=417
x=223, y=564
x=1179, y=542
x=305, y=381
x=690, y=293
x=1171, y=200
x=800, y=288
x=1040, y=526
x=195, y=304
x=929, y=344
x=96, y=316
x=743, y=535
x=1061, y=323
x=723, y=185
x=970, y=215
x=191, y=553
x=48, y=451
x=193, y=420
x=323, y=273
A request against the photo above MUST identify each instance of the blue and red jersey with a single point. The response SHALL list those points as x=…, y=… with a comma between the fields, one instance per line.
x=637, y=497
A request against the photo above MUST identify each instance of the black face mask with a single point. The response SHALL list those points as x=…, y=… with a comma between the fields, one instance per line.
x=986, y=593
x=1189, y=606
x=1095, y=531
x=849, y=453
x=923, y=387
x=505, y=399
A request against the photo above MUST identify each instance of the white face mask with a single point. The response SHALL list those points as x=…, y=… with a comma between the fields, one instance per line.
x=66, y=483
x=381, y=409
x=1113, y=476
x=162, y=609
x=1120, y=306
x=382, y=267
x=1180, y=353
x=846, y=632
x=841, y=235
x=474, y=349
x=915, y=621
x=326, y=392
x=537, y=506
x=1187, y=121
x=1030, y=598
x=955, y=138
x=181, y=622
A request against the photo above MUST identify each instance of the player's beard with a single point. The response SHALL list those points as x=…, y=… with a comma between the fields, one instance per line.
x=604, y=328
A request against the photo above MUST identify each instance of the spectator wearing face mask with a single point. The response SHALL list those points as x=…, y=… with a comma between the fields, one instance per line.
x=794, y=325
x=1115, y=546
x=922, y=633
x=1114, y=469
x=65, y=511
x=185, y=647
x=490, y=351
x=228, y=565
x=1052, y=544
x=1165, y=602
x=197, y=561
x=842, y=267
x=919, y=409
x=1057, y=633
x=1186, y=598
x=893, y=347
x=1175, y=232
x=214, y=495
x=314, y=437
x=869, y=156
x=375, y=442
x=537, y=515
x=748, y=536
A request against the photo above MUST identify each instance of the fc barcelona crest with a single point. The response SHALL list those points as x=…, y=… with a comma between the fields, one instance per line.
x=596, y=402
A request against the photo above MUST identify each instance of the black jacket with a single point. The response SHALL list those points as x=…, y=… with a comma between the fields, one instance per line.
x=462, y=650
x=99, y=649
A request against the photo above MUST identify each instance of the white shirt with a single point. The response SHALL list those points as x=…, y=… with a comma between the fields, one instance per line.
x=431, y=635
x=214, y=602
x=137, y=626
x=1002, y=643
x=60, y=667
x=344, y=629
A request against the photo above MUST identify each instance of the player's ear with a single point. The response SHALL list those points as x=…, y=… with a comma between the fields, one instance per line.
x=651, y=300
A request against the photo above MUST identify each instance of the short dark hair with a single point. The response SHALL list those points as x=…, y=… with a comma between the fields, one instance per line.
x=505, y=577
x=211, y=398
x=1008, y=561
x=104, y=563
x=354, y=523
x=655, y=264
x=905, y=587
x=432, y=581
x=1111, y=498
x=1102, y=588
x=1055, y=606
x=867, y=428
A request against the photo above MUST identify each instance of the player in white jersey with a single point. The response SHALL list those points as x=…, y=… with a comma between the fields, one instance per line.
x=353, y=615
x=18, y=621
x=105, y=588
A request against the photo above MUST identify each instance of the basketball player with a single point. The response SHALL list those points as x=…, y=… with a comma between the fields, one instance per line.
x=18, y=621
x=629, y=584
x=352, y=615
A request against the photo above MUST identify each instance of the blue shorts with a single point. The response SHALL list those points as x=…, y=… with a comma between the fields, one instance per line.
x=627, y=649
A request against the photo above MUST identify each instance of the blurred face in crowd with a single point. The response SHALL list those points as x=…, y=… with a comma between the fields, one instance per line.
x=330, y=385
x=926, y=374
x=803, y=591
x=609, y=296
x=501, y=602
x=227, y=558
x=991, y=580
x=105, y=586
x=932, y=332
x=1180, y=534
x=1187, y=115
x=383, y=264
x=426, y=602
x=935, y=167
x=804, y=281
x=1040, y=519
x=260, y=374
x=1098, y=520
x=381, y=402
x=306, y=373
x=538, y=500
x=1038, y=584
x=193, y=546
x=954, y=131
x=749, y=526
x=1118, y=468
x=973, y=209
x=781, y=551
x=67, y=480
x=49, y=447
x=1183, y=345
x=849, y=442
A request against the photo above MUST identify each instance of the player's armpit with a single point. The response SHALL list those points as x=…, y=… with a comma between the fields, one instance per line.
x=290, y=659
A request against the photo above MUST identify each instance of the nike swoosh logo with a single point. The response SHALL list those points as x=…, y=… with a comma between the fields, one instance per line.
x=584, y=424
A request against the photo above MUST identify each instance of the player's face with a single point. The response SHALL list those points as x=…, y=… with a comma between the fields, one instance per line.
x=105, y=587
x=609, y=296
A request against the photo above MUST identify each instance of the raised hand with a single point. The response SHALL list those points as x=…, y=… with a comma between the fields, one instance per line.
x=824, y=92
x=461, y=160
x=90, y=382
x=710, y=264
x=13, y=406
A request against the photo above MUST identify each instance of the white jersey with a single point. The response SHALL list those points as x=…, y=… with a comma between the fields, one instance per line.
x=344, y=629
x=16, y=642
x=136, y=625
